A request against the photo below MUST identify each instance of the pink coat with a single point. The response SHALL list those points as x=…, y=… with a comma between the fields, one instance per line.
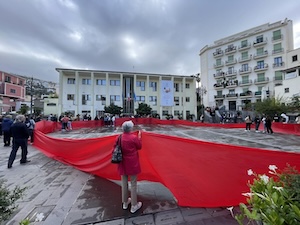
x=130, y=164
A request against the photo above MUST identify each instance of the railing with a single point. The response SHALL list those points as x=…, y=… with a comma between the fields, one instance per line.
x=246, y=94
x=218, y=53
x=219, y=96
x=278, y=64
x=219, y=65
x=248, y=58
x=260, y=55
x=261, y=80
x=230, y=62
x=261, y=67
x=260, y=42
x=245, y=46
x=245, y=82
x=257, y=93
x=277, y=37
x=231, y=73
x=230, y=50
x=245, y=70
x=277, y=51
x=219, y=74
x=235, y=95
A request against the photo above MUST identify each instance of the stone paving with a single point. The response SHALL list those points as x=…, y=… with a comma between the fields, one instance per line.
x=61, y=195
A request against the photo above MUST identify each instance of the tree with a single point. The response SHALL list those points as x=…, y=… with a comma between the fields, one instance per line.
x=143, y=109
x=113, y=109
x=24, y=109
x=294, y=105
x=270, y=106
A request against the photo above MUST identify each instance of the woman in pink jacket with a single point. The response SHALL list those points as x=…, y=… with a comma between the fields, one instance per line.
x=130, y=165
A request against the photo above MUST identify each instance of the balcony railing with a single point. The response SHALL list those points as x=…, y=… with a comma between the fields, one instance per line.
x=277, y=51
x=245, y=59
x=244, y=47
x=260, y=42
x=261, y=80
x=230, y=50
x=278, y=78
x=276, y=65
x=219, y=74
x=257, y=93
x=218, y=53
x=261, y=55
x=232, y=95
x=230, y=73
x=230, y=62
x=218, y=86
x=245, y=70
x=246, y=94
x=219, y=96
x=277, y=37
x=261, y=67
x=245, y=82
x=219, y=65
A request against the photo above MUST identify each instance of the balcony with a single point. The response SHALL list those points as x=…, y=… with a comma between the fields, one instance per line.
x=230, y=62
x=260, y=42
x=219, y=74
x=219, y=65
x=232, y=83
x=218, y=53
x=277, y=65
x=230, y=50
x=218, y=86
x=245, y=59
x=246, y=94
x=232, y=95
x=245, y=70
x=277, y=51
x=245, y=83
x=257, y=94
x=277, y=38
x=219, y=97
x=263, y=80
x=244, y=47
x=231, y=73
x=261, y=55
x=259, y=68
x=277, y=81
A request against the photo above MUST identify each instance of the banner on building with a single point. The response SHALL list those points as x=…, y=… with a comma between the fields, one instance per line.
x=167, y=93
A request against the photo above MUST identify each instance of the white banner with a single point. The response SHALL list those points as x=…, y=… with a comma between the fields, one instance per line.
x=166, y=93
x=290, y=75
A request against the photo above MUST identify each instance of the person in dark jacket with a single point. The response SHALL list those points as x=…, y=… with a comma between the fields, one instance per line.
x=20, y=136
x=6, y=124
x=269, y=125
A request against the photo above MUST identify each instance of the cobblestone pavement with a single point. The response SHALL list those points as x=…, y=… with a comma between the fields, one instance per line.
x=62, y=195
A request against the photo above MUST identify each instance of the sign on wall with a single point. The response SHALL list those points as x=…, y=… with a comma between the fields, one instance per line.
x=167, y=93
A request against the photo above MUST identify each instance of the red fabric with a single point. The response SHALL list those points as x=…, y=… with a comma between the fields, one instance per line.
x=198, y=173
x=130, y=164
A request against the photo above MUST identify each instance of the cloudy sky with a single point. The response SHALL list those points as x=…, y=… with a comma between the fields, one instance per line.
x=155, y=36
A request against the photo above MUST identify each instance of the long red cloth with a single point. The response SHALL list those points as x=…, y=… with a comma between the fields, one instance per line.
x=198, y=173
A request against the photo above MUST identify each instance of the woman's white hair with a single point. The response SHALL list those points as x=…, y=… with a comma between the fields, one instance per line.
x=127, y=126
x=20, y=118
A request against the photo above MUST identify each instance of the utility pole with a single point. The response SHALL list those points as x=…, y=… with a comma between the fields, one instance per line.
x=31, y=96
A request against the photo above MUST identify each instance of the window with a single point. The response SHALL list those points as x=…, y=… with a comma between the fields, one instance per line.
x=286, y=90
x=278, y=75
x=277, y=48
x=219, y=93
x=260, y=51
x=20, y=82
x=294, y=58
x=218, y=62
x=140, y=98
x=230, y=58
x=276, y=35
x=153, y=99
x=278, y=61
x=260, y=77
x=85, y=98
x=260, y=64
x=71, y=81
x=176, y=100
x=176, y=112
x=259, y=39
x=230, y=70
x=114, y=98
x=51, y=104
x=176, y=87
x=114, y=82
x=245, y=79
x=165, y=112
x=12, y=91
x=244, y=55
x=101, y=82
x=70, y=97
x=86, y=81
x=231, y=91
x=187, y=99
x=141, y=84
x=7, y=79
x=187, y=86
x=244, y=67
x=153, y=85
x=98, y=97
x=244, y=44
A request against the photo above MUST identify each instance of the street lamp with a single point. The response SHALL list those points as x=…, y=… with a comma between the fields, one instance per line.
x=201, y=91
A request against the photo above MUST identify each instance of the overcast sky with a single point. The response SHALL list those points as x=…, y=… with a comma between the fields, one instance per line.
x=148, y=36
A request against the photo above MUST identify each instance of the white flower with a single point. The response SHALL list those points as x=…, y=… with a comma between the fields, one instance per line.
x=273, y=168
x=264, y=178
x=39, y=217
x=250, y=172
x=249, y=194
x=231, y=210
x=278, y=188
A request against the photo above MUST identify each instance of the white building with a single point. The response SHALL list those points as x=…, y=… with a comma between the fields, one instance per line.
x=245, y=67
x=89, y=91
x=291, y=83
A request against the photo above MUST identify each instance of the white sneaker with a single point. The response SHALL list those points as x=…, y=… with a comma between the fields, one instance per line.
x=125, y=204
x=136, y=207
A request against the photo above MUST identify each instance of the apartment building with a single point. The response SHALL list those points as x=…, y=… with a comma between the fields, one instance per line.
x=89, y=91
x=12, y=90
x=246, y=67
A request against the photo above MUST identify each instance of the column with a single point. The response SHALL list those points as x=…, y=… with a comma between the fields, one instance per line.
x=92, y=108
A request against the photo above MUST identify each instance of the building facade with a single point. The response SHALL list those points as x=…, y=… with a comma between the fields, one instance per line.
x=89, y=91
x=246, y=67
x=12, y=90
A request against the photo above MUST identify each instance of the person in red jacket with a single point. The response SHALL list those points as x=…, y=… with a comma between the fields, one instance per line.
x=130, y=165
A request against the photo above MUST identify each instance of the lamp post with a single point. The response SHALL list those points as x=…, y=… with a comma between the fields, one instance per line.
x=198, y=79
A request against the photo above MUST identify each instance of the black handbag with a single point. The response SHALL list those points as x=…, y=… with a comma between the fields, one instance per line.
x=117, y=152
